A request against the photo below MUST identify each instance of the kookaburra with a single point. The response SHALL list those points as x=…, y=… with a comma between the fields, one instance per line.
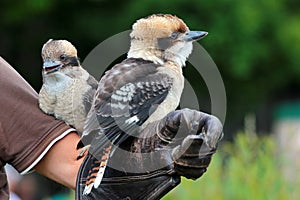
x=143, y=88
x=68, y=89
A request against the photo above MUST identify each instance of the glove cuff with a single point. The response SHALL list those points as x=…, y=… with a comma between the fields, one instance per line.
x=120, y=185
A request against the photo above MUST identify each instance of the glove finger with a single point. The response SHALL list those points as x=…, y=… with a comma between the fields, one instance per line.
x=179, y=124
x=212, y=133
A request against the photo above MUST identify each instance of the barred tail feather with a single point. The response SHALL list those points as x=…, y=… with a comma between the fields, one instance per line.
x=87, y=190
x=100, y=174
x=96, y=173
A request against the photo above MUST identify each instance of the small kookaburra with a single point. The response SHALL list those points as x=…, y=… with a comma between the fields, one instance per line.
x=143, y=88
x=68, y=89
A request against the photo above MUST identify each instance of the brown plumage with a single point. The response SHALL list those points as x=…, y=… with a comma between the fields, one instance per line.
x=68, y=89
x=143, y=88
x=53, y=49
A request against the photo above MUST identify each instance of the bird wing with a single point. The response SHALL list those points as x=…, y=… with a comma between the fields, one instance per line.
x=88, y=96
x=127, y=95
x=87, y=100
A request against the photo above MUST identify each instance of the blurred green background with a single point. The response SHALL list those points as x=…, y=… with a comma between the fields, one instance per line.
x=245, y=170
x=255, y=44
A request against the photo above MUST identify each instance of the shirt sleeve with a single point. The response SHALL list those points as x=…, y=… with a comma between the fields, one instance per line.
x=26, y=133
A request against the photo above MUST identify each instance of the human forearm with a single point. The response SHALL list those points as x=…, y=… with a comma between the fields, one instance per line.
x=60, y=163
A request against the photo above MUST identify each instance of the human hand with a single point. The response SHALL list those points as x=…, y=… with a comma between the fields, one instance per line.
x=181, y=144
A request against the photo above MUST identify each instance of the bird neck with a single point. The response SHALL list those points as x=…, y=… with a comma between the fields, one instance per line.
x=151, y=54
x=175, y=58
x=174, y=66
x=57, y=80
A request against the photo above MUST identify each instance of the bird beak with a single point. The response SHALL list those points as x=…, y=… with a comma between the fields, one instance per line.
x=194, y=35
x=51, y=66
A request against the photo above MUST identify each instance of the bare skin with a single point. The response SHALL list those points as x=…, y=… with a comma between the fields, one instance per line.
x=60, y=163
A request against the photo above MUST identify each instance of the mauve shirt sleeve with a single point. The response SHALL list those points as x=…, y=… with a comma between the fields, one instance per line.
x=26, y=133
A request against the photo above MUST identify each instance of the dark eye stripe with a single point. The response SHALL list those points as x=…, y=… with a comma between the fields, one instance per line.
x=164, y=43
x=74, y=61
x=71, y=61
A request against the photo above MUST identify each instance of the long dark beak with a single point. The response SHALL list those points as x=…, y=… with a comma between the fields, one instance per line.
x=51, y=66
x=194, y=35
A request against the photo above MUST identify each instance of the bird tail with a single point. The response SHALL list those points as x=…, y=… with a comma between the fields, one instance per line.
x=96, y=173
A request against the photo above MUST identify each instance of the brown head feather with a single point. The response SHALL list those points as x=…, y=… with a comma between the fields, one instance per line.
x=158, y=25
x=53, y=49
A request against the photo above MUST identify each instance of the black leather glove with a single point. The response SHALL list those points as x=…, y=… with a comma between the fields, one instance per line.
x=181, y=144
x=201, y=133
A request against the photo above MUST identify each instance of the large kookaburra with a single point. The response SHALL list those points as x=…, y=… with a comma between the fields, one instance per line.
x=143, y=88
x=68, y=89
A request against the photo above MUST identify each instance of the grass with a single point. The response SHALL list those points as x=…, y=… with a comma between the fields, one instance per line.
x=248, y=168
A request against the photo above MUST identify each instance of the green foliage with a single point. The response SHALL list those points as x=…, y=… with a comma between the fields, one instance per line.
x=254, y=43
x=248, y=168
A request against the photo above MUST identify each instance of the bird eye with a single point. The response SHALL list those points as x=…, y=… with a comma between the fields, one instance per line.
x=174, y=35
x=63, y=57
